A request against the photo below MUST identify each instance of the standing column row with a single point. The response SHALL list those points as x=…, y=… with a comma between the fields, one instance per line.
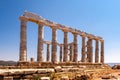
x=40, y=52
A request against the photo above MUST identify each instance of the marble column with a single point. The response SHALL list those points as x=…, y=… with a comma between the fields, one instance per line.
x=61, y=52
x=54, y=45
x=71, y=52
x=97, y=51
x=40, y=51
x=89, y=50
x=102, y=52
x=48, y=52
x=83, y=49
x=75, y=48
x=65, y=59
x=23, y=41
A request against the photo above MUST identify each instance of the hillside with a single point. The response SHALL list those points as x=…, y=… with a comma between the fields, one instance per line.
x=7, y=63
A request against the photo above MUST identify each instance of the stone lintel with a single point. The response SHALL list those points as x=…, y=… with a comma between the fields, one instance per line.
x=47, y=42
x=38, y=19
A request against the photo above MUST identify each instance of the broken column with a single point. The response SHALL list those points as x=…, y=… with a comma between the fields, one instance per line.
x=102, y=51
x=40, y=51
x=48, y=52
x=96, y=51
x=23, y=40
x=65, y=59
x=75, y=48
x=83, y=49
x=54, y=45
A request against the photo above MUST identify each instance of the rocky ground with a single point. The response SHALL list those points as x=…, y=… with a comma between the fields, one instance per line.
x=64, y=73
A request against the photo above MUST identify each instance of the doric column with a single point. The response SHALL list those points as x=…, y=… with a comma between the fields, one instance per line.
x=102, y=51
x=40, y=51
x=96, y=51
x=89, y=50
x=83, y=49
x=75, y=48
x=54, y=45
x=61, y=52
x=71, y=52
x=65, y=59
x=48, y=52
x=23, y=41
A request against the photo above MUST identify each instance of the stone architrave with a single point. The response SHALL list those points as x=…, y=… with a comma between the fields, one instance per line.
x=83, y=49
x=61, y=52
x=54, y=45
x=23, y=41
x=102, y=51
x=96, y=51
x=40, y=51
x=48, y=52
x=75, y=48
x=65, y=59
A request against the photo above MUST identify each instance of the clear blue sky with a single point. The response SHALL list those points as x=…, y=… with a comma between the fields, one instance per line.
x=99, y=17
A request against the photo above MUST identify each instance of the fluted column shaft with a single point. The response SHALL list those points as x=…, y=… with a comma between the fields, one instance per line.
x=48, y=52
x=83, y=49
x=40, y=50
x=71, y=52
x=102, y=52
x=54, y=46
x=97, y=52
x=23, y=41
x=89, y=50
x=65, y=59
x=61, y=52
x=75, y=48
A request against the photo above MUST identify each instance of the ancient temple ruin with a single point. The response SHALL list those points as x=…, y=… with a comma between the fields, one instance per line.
x=86, y=50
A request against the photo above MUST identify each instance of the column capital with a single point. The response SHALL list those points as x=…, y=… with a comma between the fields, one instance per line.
x=41, y=24
x=83, y=36
x=64, y=30
x=53, y=27
x=101, y=40
x=74, y=33
x=91, y=38
x=96, y=39
x=23, y=18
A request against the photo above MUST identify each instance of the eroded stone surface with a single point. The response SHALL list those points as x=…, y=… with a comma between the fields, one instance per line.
x=65, y=56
